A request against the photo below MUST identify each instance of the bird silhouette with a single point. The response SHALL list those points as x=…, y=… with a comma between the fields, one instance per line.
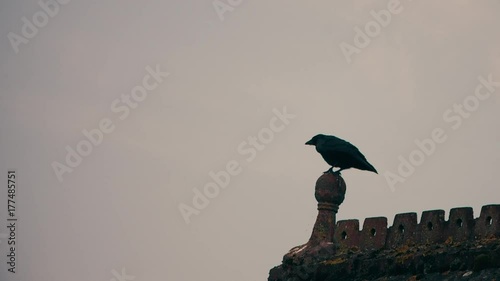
x=340, y=153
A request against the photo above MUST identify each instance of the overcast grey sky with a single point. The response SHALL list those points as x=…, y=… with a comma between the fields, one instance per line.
x=233, y=67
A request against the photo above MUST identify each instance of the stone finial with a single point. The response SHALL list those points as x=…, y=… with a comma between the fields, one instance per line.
x=330, y=192
x=330, y=188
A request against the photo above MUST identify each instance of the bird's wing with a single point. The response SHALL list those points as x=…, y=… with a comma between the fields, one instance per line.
x=335, y=145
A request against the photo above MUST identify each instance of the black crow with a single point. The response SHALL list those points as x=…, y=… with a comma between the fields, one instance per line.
x=340, y=153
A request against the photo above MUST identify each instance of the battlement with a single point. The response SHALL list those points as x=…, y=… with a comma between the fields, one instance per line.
x=433, y=228
x=342, y=251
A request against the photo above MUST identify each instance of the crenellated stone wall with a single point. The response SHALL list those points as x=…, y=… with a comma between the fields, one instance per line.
x=433, y=228
x=408, y=249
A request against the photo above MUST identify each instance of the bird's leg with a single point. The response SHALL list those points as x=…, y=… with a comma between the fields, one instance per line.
x=337, y=172
x=329, y=170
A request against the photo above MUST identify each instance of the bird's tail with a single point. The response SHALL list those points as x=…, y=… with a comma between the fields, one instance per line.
x=371, y=168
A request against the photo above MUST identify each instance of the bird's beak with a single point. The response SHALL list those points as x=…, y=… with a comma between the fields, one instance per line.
x=309, y=142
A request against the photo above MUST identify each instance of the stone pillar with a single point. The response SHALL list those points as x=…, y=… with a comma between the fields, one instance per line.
x=330, y=193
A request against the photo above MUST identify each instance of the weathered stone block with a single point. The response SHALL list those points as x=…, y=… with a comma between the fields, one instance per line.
x=460, y=226
x=374, y=233
x=403, y=231
x=347, y=233
x=488, y=223
x=431, y=227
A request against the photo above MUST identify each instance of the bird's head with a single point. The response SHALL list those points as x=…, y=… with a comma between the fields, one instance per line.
x=314, y=140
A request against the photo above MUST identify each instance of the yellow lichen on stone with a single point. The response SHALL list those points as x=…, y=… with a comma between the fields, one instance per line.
x=334, y=261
